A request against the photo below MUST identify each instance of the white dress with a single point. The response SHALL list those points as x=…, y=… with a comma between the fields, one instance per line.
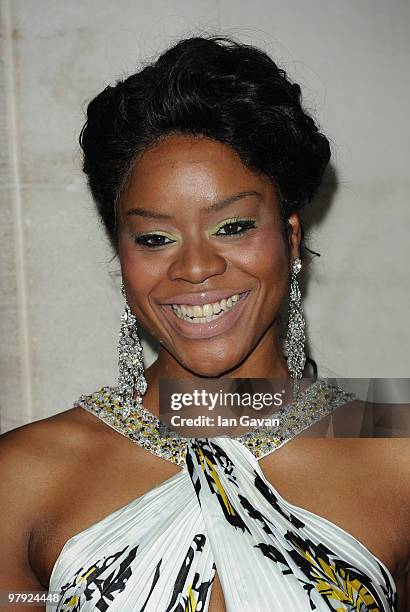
x=160, y=552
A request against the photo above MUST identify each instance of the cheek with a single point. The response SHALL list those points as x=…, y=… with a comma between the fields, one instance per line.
x=140, y=273
x=265, y=255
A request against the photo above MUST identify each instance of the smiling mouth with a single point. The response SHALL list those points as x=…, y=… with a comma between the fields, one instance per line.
x=198, y=327
x=208, y=312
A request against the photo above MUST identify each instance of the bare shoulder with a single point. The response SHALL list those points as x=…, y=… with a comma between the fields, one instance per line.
x=35, y=455
x=33, y=460
x=375, y=471
x=389, y=458
x=385, y=459
x=350, y=423
x=47, y=439
x=382, y=469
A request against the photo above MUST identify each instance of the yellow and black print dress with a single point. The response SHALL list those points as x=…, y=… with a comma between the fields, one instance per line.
x=160, y=552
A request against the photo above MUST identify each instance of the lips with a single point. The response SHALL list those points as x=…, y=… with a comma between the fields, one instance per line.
x=206, y=330
x=201, y=298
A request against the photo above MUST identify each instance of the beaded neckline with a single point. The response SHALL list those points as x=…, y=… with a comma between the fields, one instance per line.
x=146, y=430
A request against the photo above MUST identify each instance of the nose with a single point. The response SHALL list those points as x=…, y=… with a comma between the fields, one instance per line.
x=196, y=262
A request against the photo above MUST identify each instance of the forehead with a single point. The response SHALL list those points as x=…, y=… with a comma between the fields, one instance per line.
x=192, y=166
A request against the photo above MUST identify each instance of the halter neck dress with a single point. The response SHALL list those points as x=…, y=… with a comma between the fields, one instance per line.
x=160, y=552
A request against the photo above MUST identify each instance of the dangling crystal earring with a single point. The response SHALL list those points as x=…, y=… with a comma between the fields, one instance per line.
x=295, y=338
x=130, y=361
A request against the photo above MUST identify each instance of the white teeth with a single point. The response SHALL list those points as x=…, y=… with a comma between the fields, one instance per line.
x=205, y=313
x=207, y=310
x=198, y=311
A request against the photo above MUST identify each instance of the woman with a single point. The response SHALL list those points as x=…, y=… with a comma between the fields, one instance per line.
x=199, y=166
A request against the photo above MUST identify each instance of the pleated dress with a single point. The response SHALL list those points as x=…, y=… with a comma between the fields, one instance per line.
x=160, y=552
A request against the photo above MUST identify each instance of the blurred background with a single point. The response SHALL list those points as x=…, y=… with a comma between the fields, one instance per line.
x=60, y=300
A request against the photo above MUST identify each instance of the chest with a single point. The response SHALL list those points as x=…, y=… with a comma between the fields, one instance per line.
x=111, y=481
x=312, y=476
x=344, y=484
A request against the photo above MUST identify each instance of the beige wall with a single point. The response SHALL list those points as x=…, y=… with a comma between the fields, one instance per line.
x=60, y=302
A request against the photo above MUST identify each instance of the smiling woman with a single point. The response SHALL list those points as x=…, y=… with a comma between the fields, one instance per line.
x=208, y=255
x=199, y=165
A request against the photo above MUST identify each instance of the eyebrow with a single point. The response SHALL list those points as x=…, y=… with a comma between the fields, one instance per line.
x=150, y=214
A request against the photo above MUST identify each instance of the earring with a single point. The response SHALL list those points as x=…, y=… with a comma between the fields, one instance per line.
x=131, y=376
x=295, y=338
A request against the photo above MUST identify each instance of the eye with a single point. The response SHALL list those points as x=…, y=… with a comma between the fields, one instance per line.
x=232, y=227
x=144, y=240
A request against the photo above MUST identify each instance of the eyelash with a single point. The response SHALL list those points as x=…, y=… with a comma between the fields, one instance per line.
x=246, y=223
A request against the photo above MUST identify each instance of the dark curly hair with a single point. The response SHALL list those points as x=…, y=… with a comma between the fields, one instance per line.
x=215, y=87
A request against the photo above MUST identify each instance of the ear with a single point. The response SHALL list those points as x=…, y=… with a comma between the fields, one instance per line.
x=295, y=234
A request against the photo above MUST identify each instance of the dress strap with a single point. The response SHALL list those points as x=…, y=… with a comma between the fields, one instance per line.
x=142, y=427
x=313, y=404
x=148, y=431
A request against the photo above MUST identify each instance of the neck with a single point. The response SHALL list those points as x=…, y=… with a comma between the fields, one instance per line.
x=265, y=361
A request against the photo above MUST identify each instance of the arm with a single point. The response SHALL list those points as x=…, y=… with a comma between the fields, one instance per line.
x=21, y=474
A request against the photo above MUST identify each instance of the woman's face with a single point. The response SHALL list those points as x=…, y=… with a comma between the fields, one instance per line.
x=197, y=227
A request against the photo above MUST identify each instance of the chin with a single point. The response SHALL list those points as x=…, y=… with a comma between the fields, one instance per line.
x=210, y=372
x=212, y=367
